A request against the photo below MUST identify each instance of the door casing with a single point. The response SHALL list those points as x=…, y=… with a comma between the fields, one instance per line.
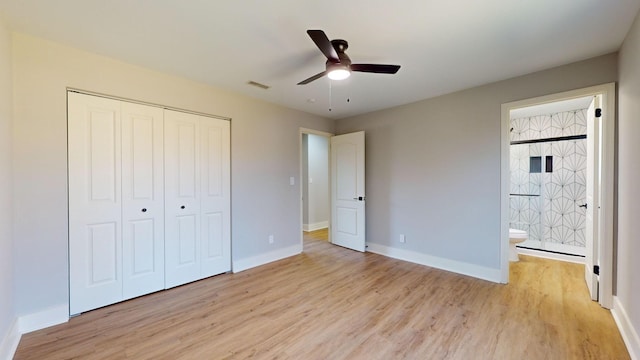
x=605, y=243
x=302, y=132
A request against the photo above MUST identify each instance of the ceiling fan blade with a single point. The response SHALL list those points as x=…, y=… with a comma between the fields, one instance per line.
x=322, y=42
x=375, y=68
x=314, y=77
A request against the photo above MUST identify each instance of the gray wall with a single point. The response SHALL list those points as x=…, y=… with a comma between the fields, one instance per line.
x=433, y=167
x=628, y=265
x=264, y=154
x=7, y=314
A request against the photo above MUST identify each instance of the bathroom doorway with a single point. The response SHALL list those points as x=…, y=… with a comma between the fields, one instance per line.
x=548, y=161
x=548, y=177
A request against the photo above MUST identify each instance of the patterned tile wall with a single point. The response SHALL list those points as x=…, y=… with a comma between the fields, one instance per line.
x=551, y=213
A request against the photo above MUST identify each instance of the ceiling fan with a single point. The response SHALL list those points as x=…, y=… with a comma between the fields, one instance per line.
x=338, y=65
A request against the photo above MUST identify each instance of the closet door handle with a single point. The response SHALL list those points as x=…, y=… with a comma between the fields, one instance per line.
x=182, y=207
x=144, y=210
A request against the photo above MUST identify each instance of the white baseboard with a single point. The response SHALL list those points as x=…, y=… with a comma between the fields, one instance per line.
x=43, y=319
x=476, y=271
x=316, y=226
x=550, y=255
x=251, y=262
x=628, y=332
x=10, y=342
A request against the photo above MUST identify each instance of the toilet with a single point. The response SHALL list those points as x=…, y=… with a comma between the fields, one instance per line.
x=515, y=237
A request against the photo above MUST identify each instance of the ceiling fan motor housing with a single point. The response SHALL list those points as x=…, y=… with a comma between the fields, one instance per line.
x=338, y=63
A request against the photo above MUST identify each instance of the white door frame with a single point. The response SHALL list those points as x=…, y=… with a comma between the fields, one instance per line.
x=605, y=252
x=302, y=132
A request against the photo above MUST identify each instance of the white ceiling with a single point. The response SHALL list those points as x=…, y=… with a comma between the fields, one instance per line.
x=442, y=46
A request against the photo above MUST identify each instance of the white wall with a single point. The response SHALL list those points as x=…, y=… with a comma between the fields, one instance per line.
x=433, y=168
x=317, y=181
x=7, y=313
x=628, y=244
x=264, y=155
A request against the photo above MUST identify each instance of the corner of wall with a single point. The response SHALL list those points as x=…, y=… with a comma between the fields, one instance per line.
x=10, y=341
x=28, y=323
x=9, y=334
x=629, y=334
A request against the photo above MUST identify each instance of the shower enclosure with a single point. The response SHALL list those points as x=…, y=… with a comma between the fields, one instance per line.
x=548, y=180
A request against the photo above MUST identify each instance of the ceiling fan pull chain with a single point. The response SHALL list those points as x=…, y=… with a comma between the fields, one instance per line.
x=330, y=95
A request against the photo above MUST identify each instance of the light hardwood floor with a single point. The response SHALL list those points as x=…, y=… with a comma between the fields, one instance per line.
x=333, y=303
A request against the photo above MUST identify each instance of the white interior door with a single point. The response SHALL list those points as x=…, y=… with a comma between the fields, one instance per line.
x=592, y=210
x=215, y=164
x=95, y=216
x=142, y=200
x=182, y=198
x=348, y=191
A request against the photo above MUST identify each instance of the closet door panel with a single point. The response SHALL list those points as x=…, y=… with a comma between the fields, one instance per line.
x=182, y=198
x=95, y=218
x=215, y=203
x=143, y=199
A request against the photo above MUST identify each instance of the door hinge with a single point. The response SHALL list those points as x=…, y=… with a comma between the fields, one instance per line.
x=598, y=112
x=596, y=269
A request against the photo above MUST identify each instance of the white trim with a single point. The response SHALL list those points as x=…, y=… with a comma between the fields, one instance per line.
x=166, y=107
x=629, y=334
x=605, y=249
x=549, y=255
x=43, y=319
x=254, y=261
x=463, y=268
x=317, y=226
x=10, y=341
x=564, y=248
x=505, y=140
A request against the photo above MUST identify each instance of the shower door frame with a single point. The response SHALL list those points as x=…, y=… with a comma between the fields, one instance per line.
x=605, y=241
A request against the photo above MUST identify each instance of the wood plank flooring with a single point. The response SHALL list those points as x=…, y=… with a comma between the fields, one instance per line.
x=333, y=303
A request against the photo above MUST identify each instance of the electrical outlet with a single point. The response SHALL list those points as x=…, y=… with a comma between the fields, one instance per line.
x=402, y=238
x=270, y=239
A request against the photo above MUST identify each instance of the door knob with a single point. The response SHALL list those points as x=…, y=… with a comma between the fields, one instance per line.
x=583, y=206
x=359, y=198
x=144, y=209
x=182, y=207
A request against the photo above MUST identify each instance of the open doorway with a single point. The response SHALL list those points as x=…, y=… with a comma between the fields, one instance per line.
x=530, y=196
x=314, y=185
x=548, y=178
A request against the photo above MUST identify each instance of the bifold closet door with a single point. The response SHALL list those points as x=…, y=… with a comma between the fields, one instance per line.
x=116, y=244
x=95, y=215
x=142, y=200
x=215, y=190
x=197, y=197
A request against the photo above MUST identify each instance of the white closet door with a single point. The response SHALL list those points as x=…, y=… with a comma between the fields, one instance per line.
x=95, y=242
x=142, y=199
x=216, y=195
x=182, y=198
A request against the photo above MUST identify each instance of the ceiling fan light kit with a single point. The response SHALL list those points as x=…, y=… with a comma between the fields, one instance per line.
x=338, y=65
x=338, y=71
